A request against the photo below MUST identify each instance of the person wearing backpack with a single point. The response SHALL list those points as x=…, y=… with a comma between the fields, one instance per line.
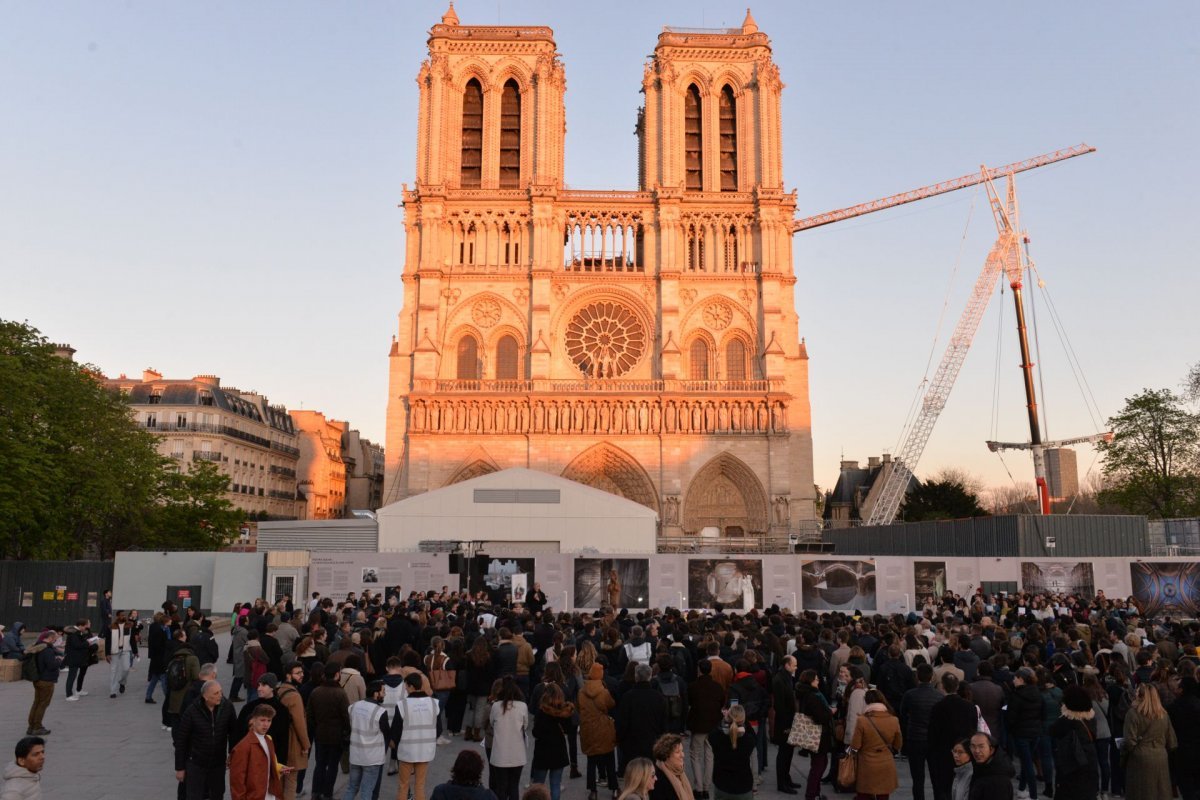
x=638, y=649
x=41, y=665
x=674, y=690
x=749, y=693
x=182, y=670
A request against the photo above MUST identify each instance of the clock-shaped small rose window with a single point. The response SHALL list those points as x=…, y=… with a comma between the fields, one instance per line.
x=605, y=340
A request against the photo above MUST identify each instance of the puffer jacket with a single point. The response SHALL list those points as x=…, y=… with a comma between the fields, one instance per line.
x=10, y=645
x=203, y=735
x=1025, y=712
x=597, y=731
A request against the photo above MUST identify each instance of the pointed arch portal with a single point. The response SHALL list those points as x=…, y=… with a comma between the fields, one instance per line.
x=726, y=494
x=612, y=470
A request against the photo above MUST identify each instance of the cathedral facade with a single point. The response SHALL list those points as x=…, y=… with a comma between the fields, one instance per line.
x=642, y=342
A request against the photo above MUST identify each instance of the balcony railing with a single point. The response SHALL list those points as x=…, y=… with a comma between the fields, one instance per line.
x=285, y=448
x=205, y=455
x=275, y=469
x=281, y=495
x=219, y=430
x=607, y=386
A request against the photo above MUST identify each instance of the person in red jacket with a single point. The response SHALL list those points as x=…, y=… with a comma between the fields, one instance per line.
x=254, y=772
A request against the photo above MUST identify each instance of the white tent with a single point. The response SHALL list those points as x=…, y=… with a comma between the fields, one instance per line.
x=526, y=508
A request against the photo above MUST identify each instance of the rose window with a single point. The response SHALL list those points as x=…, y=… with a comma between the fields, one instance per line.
x=605, y=340
x=718, y=316
x=486, y=312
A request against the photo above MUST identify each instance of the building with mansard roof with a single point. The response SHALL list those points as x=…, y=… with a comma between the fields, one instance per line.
x=644, y=342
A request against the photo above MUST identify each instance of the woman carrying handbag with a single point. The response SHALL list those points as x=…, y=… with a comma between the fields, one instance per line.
x=876, y=741
x=811, y=703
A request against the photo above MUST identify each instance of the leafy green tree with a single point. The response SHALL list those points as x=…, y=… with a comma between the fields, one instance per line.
x=946, y=498
x=1152, y=464
x=77, y=475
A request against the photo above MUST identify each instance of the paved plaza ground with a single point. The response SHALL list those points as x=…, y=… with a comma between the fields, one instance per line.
x=103, y=749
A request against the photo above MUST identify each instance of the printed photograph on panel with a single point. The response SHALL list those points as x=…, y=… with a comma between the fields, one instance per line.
x=497, y=573
x=1058, y=577
x=614, y=582
x=838, y=585
x=737, y=584
x=1166, y=588
x=929, y=580
x=370, y=575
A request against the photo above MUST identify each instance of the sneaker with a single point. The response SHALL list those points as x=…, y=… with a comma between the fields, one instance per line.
x=122, y=688
x=151, y=701
x=166, y=727
x=1022, y=794
x=73, y=698
x=112, y=697
x=443, y=740
x=82, y=693
x=40, y=732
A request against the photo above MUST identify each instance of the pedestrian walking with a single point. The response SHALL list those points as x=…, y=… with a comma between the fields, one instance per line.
x=158, y=641
x=119, y=653
x=77, y=657
x=202, y=744
x=254, y=769
x=46, y=667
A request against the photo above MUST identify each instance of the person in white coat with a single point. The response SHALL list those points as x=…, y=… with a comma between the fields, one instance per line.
x=119, y=654
x=508, y=721
x=418, y=740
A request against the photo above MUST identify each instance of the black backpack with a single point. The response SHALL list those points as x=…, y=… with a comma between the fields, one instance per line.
x=671, y=691
x=29, y=665
x=177, y=677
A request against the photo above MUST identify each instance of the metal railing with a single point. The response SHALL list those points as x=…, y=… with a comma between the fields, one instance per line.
x=751, y=543
x=278, y=470
x=206, y=455
x=602, y=386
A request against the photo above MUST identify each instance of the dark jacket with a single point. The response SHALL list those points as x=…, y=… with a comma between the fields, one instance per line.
x=49, y=663
x=157, y=648
x=731, y=771
x=663, y=788
x=663, y=682
x=550, y=740
x=894, y=677
x=207, y=651
x=809, y=657
x=746, y=690
x=993, y=780
x=10, y=645
x=1184, y=713
x=641, y=718
x=811, y=702
x=328, y=715
x=506, y=659
x=1073, y=736
x=915, y=709
x=454, y=791
x=77, y=650
x=989, y=696
x=202, y=736
x=274, y=653
x=705, y=700
x=968, y=662
x=783, y=700
x=1025, y=711
x=281, y=725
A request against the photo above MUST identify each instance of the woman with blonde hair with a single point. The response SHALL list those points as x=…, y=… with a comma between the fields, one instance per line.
x=1148, y=736
x=639, y=779
x=732, y=748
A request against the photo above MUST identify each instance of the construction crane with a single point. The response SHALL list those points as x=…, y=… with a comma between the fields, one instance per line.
x=1006, y=258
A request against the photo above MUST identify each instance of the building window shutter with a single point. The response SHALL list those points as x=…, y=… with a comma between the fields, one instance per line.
x=693, y=154
x=510, y=136
x=472, y=136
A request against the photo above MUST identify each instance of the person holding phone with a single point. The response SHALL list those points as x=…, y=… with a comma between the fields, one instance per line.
x=254, y=772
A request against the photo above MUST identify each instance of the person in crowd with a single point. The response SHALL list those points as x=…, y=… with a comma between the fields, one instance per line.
x=670, y=778
x=465, y=780
x=370, y=731
x=508, y=722
x=11, y=646
x=481, y=673
x=706, y=698
x=988, y=695
x=237, y=657
x=733, y=746
x=1076, y=769
x=991, y=773
x=552, y=725
x=442, y=680
x=293, y=750
x=182, y=670
x=45, y=668
x=329, y=725
x=963, y=768
x=267, y=685
x=811, y=702
x=783, y=705
x=417, y=745
x=351, y=679
x=77, y=657
x=640, y=779
x=1024, y=721
x=254, y=768
x=597, y=731
x=202, y=744
x=952, y=719
x=641, y=717
x=916, y=709
x=1184, y=713
x=119, y=653
x=257, y=662
x=158, y=647
x=876, y=741
x=23, y=776
x=1149, y=738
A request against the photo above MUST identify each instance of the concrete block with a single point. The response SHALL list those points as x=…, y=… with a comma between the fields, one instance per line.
x=10, y=670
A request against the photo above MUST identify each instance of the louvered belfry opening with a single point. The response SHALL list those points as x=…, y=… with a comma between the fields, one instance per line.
x=693, y=157
x=735, y=360
x=727, y=113
x=507, y=366
x=472, y=136
x=510, y=136
x=468, y=359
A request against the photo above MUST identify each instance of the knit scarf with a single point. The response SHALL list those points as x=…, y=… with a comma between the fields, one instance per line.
x=679, y=781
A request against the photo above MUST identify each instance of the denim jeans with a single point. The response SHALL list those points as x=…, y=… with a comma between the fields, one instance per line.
x=363, y=781
x=552, y=778
x=1025, y=750
x=153, y=681
x=329, y=757
x=75, y=676
x=1046, y=756
x=443, y=699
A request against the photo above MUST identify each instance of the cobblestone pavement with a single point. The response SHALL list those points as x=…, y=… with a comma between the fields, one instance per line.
x=105, y=749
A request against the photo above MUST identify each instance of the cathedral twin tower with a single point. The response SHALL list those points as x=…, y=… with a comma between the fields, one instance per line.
x=641, y=342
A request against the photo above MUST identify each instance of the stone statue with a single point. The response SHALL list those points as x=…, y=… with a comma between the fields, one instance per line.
x=781, y=510
x=671, y=510
x=418, y=416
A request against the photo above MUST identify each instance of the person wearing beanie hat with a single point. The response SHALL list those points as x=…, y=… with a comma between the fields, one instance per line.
x=267, y=684
x=1076, y=773
x=597, y=731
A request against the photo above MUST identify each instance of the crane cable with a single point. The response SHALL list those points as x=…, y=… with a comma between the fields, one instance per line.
x=1085, y=388
x=996, y=369
x=911, y=416
x=1037, y=345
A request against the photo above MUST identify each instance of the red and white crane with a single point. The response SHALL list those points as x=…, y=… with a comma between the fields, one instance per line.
x=1007, y=259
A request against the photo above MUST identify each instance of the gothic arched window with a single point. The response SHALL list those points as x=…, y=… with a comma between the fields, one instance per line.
x=468, y=358
x=510, y=136
x=472, y=135
x=698, y=360
x=735, y=360
x=507, y=364
x=693, y=153
x=727, y=113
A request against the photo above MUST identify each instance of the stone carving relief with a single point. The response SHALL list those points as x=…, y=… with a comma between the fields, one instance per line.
x=746, y=296
x=599, y=416
x=561, y=290
x=521, y=295
x=451, y=295
x=671, y=510
x=781, y=510
x=486, y=312
x=688, y=296
x=718, y=315
x=614, y=471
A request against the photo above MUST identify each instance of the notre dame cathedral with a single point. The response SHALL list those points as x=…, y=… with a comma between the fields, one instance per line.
x=642, y=342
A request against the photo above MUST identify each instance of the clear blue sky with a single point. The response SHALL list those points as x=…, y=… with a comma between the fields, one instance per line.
x=213, y=188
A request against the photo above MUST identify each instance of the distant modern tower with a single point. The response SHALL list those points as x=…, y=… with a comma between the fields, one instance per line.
x=642, y=342
x=1062, y=473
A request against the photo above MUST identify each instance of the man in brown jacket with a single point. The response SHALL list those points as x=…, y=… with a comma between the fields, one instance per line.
x=253, y=769
x=298, y=744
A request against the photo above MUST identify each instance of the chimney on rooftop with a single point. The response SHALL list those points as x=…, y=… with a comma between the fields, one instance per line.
x=151, y=374
x=849, y=465
x=208, y=380
x=64, y=351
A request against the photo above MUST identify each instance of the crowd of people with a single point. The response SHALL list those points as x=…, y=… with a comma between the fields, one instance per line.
x=979, y=698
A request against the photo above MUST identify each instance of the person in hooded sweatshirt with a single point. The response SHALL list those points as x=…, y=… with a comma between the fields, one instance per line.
x=10, y=645
x=23, y=777
x=465, y=780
